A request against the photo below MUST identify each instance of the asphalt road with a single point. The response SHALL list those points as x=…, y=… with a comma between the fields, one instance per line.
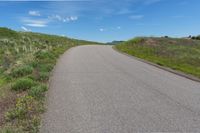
x=95, y=89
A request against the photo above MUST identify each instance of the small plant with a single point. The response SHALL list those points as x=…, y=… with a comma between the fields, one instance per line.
x=23, y=84
x=22, y=71
x=44, y=55
x=45, y=67
x=38, y=91
x=43, y=76
x=34, y=64
x=24, y=106
x=10, y=129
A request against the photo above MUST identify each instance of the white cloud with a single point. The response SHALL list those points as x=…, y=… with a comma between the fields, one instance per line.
x=63, y=19
x=118, y=27
x=72, y=18
x=35, y=23
x=101, y=29
x=25, y=29
x=135, y=17
x=34, y=13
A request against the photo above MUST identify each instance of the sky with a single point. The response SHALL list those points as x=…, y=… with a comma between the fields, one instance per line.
x=103, y=20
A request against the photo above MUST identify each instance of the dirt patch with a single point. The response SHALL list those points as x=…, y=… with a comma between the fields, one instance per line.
x=5, y=104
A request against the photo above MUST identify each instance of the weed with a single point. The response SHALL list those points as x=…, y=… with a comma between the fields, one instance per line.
x=23, y=84
x=38, y=91
x=45, y=67
x=43, y=76
x=24, y=106
x=22, y=71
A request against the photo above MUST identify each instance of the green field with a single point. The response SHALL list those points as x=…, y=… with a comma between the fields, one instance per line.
x=26, y=61
x=179, y=54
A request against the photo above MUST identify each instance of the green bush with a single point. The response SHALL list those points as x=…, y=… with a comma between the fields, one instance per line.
x=43, y=76
x=38, y=91
x=34, y=64
x=23, y=84
x=45, y=67
x=44, y=55
x=21, y=71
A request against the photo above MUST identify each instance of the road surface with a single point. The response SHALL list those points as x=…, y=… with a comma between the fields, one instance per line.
x=95, y=89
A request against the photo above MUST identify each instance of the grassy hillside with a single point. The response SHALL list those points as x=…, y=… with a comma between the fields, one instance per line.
x=26, y=60
x=179, y=54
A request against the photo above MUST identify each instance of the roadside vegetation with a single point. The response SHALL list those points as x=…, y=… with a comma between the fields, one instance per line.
x=26, y=62
x=195, y=37
x=178, y=54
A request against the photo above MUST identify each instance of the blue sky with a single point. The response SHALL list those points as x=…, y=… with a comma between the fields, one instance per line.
x=103, y=20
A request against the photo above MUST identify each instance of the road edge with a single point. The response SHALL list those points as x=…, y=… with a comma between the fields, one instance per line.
x=49, y=82
x=179, y=73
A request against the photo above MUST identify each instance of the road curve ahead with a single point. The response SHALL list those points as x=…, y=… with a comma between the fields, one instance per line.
x=95, y=89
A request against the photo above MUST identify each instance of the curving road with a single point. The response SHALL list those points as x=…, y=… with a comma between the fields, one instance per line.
x=95, y=89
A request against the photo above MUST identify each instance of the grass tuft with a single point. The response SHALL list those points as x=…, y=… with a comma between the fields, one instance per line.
x=23, y=84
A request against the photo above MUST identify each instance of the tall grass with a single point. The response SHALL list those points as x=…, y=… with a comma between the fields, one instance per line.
x=179, y=54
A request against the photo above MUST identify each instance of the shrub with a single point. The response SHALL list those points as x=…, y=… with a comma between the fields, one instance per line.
x=23, y=84
x=44, y=55
x=22, y=71
x=43, y=76
x=38, y=91
x=45, y=67
x=34, y=64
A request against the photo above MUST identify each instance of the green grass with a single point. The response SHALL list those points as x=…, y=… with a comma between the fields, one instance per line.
x=26, y=61
x=22, y=71
x=23, y=84
x=178, y=54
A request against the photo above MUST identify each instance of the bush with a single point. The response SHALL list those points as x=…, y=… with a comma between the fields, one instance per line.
x=38, y=91
x=44, y=55
x=23, y=84
x=45, y=67
x=22, y=71
x=43, y=76
x=34, y=64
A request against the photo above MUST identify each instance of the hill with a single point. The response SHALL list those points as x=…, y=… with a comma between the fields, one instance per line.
x=26, y=61
x=115, y=42
x=179, y=54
